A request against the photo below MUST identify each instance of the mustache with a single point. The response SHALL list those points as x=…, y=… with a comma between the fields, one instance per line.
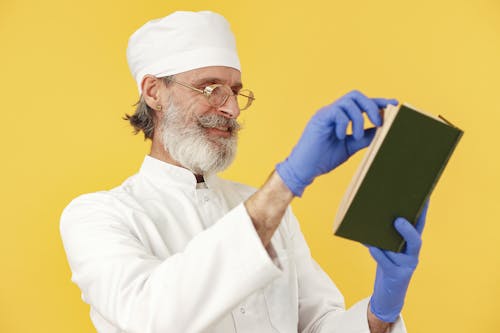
x=214, y=120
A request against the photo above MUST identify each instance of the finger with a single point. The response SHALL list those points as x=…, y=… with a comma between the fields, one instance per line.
x=383, y=102
x=369, y=106
x=421, y=219
x=402, y=259
x=342, y=121
x=352, y=110
x=396, y=258
x=380, y=257
x=325, y=117
x=353, y=145
x=410, y=235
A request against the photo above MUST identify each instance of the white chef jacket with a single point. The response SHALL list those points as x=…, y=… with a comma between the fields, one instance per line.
x=160, y=253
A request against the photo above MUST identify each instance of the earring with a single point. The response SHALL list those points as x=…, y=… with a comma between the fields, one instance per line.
x=158, y=107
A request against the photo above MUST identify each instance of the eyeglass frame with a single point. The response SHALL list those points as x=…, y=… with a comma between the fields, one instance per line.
x=207, y=92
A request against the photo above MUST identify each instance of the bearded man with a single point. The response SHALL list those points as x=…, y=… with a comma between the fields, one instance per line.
x=177, y=249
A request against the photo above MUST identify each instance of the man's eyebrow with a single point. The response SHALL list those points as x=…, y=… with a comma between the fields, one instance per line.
x=206, y=80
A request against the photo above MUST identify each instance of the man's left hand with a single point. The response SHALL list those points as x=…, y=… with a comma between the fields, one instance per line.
x=325, y=144
x=394, y=270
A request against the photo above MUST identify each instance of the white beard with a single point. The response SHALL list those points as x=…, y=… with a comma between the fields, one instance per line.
x=186, y=139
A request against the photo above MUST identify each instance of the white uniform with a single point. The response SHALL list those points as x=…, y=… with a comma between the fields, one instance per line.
x=160, y=253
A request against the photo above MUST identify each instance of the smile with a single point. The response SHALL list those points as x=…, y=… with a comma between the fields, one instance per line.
x=220, y=131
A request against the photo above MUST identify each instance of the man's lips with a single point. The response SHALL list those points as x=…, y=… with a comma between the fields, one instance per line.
x=220, y=131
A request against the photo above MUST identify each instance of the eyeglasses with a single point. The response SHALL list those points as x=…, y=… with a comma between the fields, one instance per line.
x=218, y=94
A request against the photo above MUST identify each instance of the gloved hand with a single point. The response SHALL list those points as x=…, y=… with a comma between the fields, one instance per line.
x=394, y=270
x=324, y=144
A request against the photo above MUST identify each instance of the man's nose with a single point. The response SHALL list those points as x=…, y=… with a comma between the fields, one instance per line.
x=230, y=109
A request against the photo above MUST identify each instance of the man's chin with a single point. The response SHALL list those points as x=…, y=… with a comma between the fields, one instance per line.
x=222, y=142
x=204, y=152
x=217, y=160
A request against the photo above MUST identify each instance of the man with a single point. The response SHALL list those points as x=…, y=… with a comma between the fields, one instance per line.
x=176, y=249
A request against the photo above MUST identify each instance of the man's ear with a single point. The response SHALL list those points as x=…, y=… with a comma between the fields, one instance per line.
x=151, y=91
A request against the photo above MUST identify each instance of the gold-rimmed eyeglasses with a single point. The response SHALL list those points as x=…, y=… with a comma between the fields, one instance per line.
x=218, y=94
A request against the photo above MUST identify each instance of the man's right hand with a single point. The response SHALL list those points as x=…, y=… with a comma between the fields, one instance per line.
x=324, y=144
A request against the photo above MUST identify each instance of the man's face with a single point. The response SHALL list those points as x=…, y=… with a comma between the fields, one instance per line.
x=199, y=136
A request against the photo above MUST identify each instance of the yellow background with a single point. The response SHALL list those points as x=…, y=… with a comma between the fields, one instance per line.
x=65, y=85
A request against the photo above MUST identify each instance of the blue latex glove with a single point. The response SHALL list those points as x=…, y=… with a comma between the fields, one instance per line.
x=324, y=143
x=394, y=270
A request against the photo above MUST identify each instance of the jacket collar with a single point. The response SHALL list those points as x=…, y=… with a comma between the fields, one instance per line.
x=162, y=172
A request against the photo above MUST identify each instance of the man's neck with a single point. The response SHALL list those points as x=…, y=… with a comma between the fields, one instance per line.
x=159, y=152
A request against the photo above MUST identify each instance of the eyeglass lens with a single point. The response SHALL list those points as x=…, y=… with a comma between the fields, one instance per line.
x=220, y=94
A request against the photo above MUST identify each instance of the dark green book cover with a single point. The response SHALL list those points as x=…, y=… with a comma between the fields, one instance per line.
x=401, y=177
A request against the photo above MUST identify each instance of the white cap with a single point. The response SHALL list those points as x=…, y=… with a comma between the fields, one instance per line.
x=180, y=42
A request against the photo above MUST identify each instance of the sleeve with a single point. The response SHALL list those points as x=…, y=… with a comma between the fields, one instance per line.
x=138, y=292
x=321, y=304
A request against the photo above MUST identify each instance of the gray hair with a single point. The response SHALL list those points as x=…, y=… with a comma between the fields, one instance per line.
x=143, y=118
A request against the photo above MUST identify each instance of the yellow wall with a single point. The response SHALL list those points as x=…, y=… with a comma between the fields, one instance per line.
x=64, y=85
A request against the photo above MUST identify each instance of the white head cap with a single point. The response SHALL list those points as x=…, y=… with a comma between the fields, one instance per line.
x=180, y=42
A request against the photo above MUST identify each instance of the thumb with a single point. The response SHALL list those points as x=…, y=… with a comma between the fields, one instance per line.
x=353, y=145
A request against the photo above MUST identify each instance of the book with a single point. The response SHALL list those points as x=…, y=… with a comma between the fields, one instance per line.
x=396, y=176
